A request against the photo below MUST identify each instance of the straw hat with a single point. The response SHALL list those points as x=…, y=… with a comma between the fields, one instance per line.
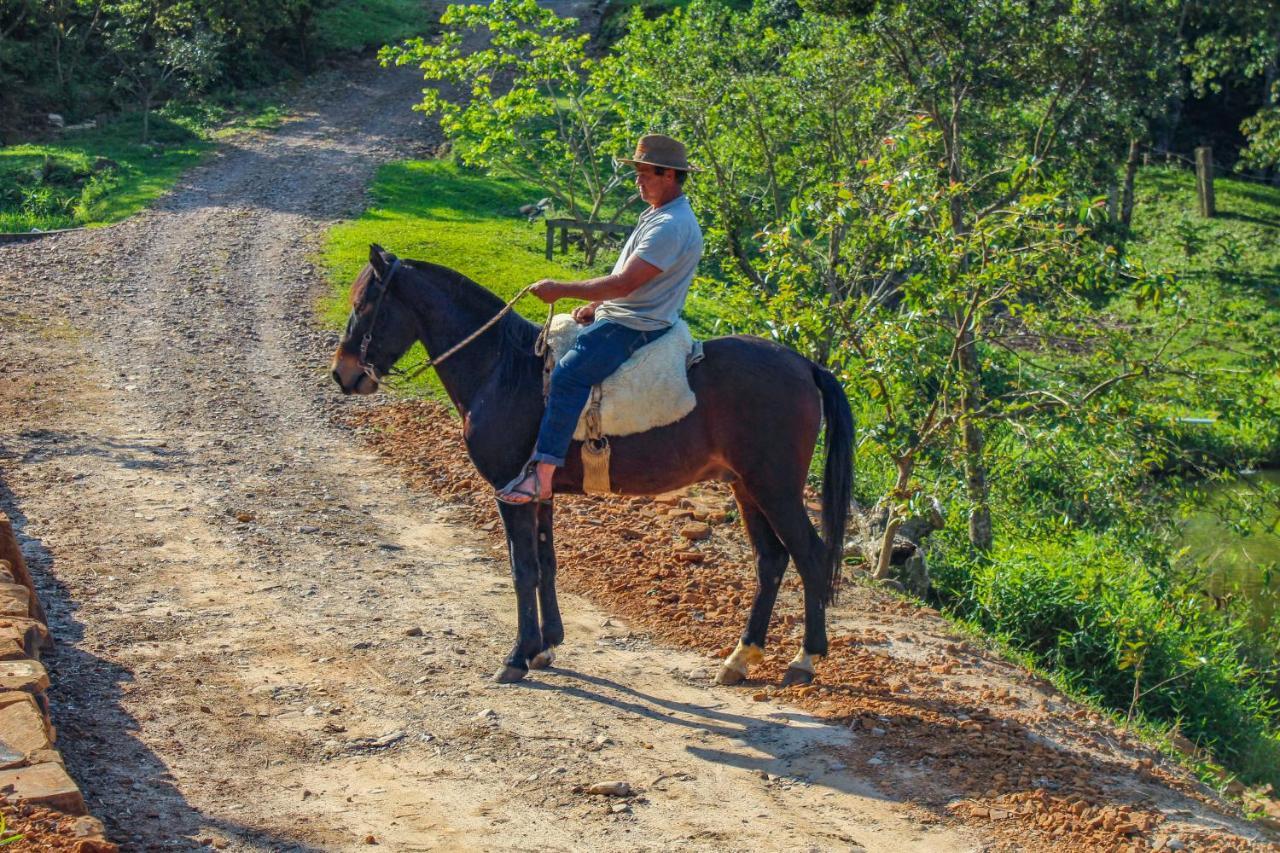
x=655, y=149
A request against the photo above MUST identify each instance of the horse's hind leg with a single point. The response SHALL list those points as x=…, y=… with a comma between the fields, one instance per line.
x=791, y=523
x=552, y=627
x=771, y=564
x=521, y=524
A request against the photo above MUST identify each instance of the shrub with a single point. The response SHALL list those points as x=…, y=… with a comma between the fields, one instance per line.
x=1124, y=634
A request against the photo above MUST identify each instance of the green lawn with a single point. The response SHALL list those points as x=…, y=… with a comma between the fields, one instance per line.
x=433, y=210
x=93, y=177
x=354, y=25
x=1244, y=237
x=106, y=174
x=1228, y=270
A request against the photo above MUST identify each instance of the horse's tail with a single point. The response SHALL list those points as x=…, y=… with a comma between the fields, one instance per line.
x=837, y=476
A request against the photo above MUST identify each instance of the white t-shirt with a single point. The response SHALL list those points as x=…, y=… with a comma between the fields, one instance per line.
x=669, y=238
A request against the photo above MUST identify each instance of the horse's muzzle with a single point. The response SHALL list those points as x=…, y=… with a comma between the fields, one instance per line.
x=350, y=376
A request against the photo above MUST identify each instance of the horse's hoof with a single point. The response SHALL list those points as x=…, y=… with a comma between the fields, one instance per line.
x=795, y=675
x=510, y=674
x=543, y=659
x=729, y=676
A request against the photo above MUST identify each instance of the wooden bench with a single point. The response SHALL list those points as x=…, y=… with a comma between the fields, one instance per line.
x=578, y=225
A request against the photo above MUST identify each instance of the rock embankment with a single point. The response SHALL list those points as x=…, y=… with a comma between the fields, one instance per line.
x=32, y=775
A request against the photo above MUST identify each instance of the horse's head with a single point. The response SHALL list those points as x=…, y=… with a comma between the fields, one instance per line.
x=380, y=328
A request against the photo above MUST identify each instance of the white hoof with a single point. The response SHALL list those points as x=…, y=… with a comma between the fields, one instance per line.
x=737, y=665
x=800, y=670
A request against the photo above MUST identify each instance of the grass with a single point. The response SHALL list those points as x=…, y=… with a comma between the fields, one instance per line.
x=1170, y=232
x=106, y=174
x=1229, y=270
x=354, y=25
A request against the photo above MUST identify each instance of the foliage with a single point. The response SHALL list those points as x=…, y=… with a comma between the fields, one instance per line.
x=1086, y=608
x=527, y=104
x=1233, y=44
x=157, y=44
x=80, y=58
x=1263, y=132
x=769, y=108
x=788, y=114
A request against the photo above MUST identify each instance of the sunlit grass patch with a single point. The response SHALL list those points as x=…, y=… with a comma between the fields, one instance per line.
x=105, y=174
x=358, y=24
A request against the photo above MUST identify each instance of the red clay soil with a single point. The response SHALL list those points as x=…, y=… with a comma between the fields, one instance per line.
x=976, y=754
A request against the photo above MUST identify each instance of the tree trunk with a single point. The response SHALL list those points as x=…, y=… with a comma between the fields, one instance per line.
x=894, y=521
x=146, y=117
x=1130, y=174
x=57, y=59
x=975, y=466
x=303, y=34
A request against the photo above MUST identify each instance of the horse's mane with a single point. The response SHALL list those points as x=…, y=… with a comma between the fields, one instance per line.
x=518, y=335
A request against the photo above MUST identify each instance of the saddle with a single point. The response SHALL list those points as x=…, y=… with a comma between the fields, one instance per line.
x=650, y=390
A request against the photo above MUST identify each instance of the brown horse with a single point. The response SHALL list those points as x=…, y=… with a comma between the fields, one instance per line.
x=759, y=411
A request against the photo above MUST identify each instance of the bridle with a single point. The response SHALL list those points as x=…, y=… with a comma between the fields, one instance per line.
x=384, y=286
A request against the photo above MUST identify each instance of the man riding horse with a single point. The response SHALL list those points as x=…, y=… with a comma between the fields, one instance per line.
x=634, y=305
x=756, y=425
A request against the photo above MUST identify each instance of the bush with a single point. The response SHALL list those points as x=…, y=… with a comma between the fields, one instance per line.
x=1108, y=625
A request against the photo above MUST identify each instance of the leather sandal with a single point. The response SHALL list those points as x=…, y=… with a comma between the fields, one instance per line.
x=508, y=493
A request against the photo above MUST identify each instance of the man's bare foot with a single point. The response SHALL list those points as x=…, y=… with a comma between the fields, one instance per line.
x=533, y=485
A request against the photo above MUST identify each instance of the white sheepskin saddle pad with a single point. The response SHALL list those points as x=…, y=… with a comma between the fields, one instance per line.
x=650, y=389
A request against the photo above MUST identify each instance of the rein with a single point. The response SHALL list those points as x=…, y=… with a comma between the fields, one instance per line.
x=539, y=347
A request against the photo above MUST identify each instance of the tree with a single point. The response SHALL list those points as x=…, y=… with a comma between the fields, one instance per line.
x=73, y=24
x=529, y=104
x=1019, y=287
x=158, y=45
x=1263, y=132
x=1239, y=40
x=710, y=76
x=1009, y=85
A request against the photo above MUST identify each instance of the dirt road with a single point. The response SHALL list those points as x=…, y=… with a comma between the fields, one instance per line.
x=267, y=640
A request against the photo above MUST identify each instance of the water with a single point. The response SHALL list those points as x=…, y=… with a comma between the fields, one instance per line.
x=1236, y=563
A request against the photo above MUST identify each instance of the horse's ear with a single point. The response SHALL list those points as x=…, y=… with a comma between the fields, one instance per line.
x=379, y=258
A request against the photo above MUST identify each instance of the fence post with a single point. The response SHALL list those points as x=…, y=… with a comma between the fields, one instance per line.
x=551, y=240
x=1204, y=180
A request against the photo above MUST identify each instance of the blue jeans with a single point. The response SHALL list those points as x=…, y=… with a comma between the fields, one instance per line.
x=601, y=349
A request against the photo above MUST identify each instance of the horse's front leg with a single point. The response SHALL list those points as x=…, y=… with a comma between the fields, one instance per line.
x=771, y=564
x=521, y=524
x=552, y=627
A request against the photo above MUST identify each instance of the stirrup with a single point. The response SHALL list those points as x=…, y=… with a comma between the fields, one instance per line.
x=511, y=489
